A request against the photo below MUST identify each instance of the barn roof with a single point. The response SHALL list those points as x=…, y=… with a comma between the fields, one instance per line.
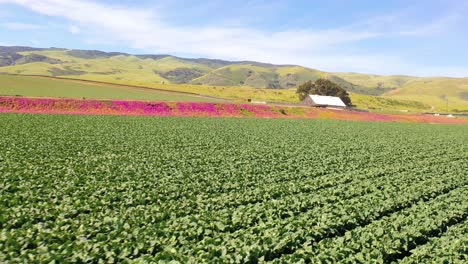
x=327, y=100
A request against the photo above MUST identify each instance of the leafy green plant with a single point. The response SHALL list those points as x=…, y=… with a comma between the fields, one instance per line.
x=230, y=190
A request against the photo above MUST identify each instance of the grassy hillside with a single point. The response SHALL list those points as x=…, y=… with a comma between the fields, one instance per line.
x=275, y=77
x=441, y=93
x=374, y=81
x=234, y=80
x=46, y=87
x=434, y=92
x=389, y=104
x=111, y=67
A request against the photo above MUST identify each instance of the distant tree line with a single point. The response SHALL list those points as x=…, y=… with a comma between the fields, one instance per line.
x=323, y=87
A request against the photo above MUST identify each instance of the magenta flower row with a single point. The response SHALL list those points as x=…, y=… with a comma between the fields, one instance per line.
x=51, y=105
x=121, y=107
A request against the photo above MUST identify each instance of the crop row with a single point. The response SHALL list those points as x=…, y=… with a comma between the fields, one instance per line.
x=282, y=234
x=115, y=189
x=390, y=238
x=451, y=247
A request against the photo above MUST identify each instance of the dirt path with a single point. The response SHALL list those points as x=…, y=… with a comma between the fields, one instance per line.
x=393, y=92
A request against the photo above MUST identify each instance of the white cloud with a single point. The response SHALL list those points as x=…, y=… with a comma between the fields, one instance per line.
x=19, y=26
x=74, y=29
x=324, y=49
x=142, y=29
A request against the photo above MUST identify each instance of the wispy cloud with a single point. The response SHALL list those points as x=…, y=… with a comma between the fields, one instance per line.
x=146, y=29
x=142, y=29
x=402, y=23
x=435, y=27
x=19, y=26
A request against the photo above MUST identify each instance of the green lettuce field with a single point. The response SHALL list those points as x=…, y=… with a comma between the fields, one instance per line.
x=108, y=189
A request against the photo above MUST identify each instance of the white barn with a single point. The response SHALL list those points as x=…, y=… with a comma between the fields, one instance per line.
x=323, y=101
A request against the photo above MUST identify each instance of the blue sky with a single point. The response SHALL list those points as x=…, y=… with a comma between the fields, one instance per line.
x=424, y=38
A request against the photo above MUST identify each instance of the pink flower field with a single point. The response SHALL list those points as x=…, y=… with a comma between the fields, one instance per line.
x=10, y=104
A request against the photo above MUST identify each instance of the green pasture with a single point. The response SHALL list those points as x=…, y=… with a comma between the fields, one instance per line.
x=46, y=87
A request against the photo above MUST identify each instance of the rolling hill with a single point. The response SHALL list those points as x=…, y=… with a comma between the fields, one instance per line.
x=439, y=92
x=117, y=67
x=225, y=78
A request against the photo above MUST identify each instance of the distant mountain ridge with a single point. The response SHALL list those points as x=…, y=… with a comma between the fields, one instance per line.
x=142, y=69
x=194, y=71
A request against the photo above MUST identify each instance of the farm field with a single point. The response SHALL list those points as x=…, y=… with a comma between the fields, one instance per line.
x=34, y=86
x=235, y=80
x=215, y=190
x=65, y=87
x=46, y=87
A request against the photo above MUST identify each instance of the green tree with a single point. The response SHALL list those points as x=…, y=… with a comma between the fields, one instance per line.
x=304, y=89
x=323, y=87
